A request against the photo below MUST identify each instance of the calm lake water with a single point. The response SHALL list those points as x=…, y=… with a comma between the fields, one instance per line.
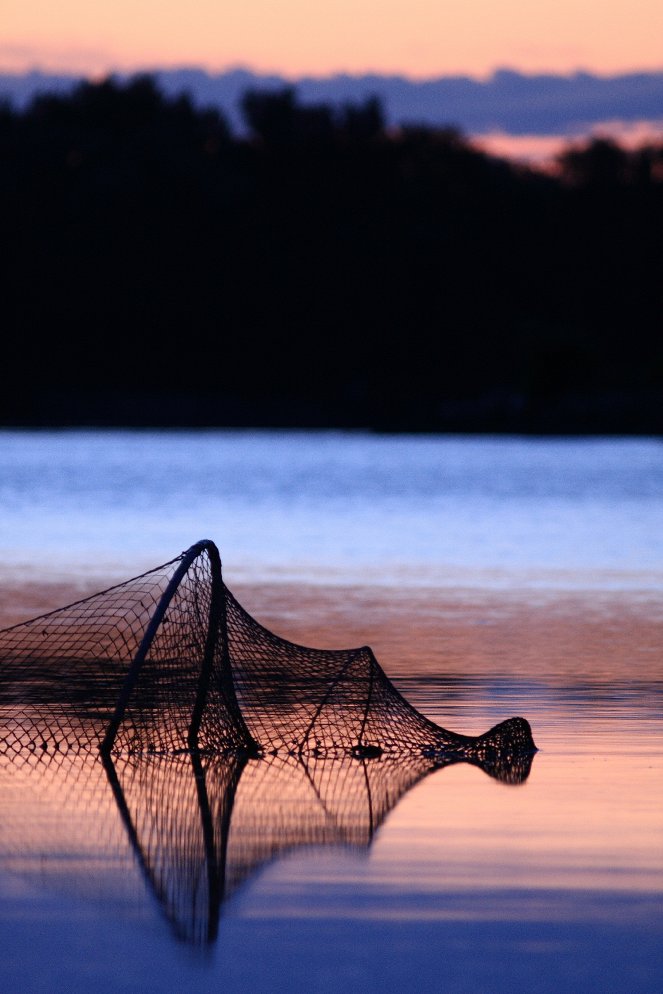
x=493, y=577
x=349, y=506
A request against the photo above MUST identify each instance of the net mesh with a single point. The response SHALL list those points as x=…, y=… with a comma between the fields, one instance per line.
x=170, y=662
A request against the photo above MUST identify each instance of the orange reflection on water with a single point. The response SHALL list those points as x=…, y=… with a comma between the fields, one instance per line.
x=583, y=668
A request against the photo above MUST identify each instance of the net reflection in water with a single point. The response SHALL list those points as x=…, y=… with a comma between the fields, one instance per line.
x=196, y=826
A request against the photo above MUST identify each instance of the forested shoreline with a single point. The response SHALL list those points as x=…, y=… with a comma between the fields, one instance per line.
x=323, y=272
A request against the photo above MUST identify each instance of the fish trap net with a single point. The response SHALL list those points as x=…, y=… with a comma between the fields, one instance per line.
x=170, y=662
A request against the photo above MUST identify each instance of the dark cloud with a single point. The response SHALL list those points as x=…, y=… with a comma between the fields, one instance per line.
x=508, y=101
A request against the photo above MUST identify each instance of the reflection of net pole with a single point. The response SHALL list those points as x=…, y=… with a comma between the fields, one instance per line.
x=179, y=837
x=148, y=637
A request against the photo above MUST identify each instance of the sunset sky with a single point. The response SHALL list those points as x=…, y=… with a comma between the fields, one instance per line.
x=420, y=38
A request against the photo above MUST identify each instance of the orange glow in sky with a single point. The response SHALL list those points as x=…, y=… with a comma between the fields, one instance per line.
x=420, y=38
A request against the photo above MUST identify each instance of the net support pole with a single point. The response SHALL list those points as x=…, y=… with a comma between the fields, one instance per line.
x=148, y=637
x=217, y=627
x=214, y=628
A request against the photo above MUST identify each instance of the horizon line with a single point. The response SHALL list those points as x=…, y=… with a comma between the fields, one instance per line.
x=407, y=76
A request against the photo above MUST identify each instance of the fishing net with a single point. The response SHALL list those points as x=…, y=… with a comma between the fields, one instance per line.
x=141, y=667
x=170, y=662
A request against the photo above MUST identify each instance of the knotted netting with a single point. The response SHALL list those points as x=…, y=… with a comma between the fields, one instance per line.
x=171, y=662
x=329, y=703
x=142, y=667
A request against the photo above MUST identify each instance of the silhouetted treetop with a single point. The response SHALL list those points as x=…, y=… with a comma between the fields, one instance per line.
x=111, y=118
x=602, y=164
x=277, y=118
x=362, y=122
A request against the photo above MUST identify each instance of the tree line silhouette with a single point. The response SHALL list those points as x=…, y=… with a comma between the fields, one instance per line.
x=320, y=270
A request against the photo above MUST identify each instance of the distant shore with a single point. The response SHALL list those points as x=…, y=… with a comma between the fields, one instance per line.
x=321, y=271
x=623, y=413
